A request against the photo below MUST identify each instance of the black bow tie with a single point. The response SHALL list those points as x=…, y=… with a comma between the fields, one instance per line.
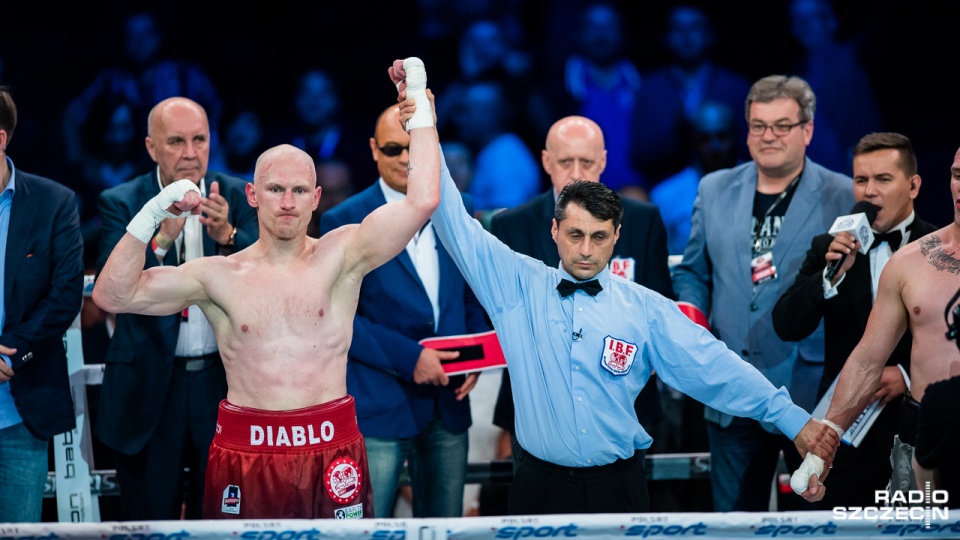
x=567, y=287
x=894, y=238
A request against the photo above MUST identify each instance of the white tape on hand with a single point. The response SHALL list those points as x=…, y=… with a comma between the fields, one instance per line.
x=812, y=464
x=800, y=480
x=145, y=223
x=417, y=90
x=835, y=427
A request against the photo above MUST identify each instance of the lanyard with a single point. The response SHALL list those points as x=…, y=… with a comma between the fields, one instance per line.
x=783, y=195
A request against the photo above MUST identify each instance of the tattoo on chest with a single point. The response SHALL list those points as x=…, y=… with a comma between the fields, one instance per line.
x=939, y=258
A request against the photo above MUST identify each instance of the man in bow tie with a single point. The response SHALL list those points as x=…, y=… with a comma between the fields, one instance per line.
x=885, y=175
x=578, y=361
x=910, y=296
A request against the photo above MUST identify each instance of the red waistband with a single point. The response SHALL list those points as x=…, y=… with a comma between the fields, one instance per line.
x=333, y=423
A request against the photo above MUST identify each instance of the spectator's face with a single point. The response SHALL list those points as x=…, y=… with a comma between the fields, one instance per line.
x=119, y=138
x=391, y=137
x=714, y=138
x=180, y=142
x=584, y=242
x=334, y=179
x=778, y=155
x=316, y=100
x=600, y=36
x=812, y=22
x=244, y=134
x=879, y=180
x=142, y=39
x=689, y=34
x=574, y=152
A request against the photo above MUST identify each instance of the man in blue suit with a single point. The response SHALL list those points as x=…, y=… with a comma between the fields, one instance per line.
x=164, y=378
x=750, y=230
x=408, y=409
x=41, y=270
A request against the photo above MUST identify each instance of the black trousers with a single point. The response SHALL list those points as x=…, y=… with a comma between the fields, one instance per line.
x=540, y=487
x=152, y=483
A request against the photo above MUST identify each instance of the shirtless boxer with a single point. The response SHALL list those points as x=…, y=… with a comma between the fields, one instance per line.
x=913, y=288
x=282, y=310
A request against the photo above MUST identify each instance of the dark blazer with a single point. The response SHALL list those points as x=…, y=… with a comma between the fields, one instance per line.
x=139, y=362
x=643, y=237
x=43, y=292
x=393, y=314
x=798, y=313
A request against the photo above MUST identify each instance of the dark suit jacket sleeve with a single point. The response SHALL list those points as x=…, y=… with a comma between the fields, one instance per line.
x=242, y=215
x=62, y=297
x=498, y=229
x=115, y=215
x=656, y=258
x=799, y=310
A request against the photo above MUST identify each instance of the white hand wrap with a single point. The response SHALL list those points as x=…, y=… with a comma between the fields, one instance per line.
x=417, y=89
x=812, y=465
x=144, y=225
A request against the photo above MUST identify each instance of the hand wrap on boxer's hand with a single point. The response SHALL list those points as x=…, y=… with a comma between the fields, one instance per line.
x=144, y=225
x=416, y=79
x=812, y=464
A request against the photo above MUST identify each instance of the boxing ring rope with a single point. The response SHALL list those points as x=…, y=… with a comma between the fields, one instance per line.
x=821, y=524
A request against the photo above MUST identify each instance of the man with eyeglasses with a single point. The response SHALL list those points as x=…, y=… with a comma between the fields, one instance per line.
x=408, y=409
x=750, y=229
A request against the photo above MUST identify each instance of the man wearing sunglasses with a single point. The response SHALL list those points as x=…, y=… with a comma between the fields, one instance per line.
x=408, y=409
x=750, y=229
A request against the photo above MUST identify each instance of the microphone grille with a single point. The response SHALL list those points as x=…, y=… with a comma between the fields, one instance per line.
x=863, y=207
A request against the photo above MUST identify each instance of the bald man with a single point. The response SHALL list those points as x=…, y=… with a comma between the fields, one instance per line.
x=164, y=378
x=282, y=311
x=575, y=150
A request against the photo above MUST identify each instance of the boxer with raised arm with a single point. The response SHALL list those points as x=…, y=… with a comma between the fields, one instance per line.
x=914, y=285
x=282, y=310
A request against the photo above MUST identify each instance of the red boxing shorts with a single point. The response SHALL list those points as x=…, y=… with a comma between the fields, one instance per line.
x=302, y=464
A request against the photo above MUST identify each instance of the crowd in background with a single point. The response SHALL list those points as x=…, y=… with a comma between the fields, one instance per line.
x=292, y=75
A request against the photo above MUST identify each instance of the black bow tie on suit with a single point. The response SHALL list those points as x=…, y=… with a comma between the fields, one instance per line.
x=894, y=238
x=567, y=287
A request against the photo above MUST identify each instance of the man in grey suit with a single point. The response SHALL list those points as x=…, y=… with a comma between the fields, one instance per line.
x=750, y=229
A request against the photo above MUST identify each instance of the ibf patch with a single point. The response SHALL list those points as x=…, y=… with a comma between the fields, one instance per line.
x=623, y=267
x=618, y=355
x=343, y=480
x=231, y=500
x=349, y=512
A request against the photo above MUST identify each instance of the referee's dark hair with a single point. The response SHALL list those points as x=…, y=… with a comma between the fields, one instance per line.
x=602, y=202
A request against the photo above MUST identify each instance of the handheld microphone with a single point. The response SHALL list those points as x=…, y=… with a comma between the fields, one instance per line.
x=858, y=224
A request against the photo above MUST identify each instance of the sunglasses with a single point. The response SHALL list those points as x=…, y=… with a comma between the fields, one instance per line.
x=393, y=150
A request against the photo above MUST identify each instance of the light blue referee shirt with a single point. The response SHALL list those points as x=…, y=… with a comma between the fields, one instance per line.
x=578, y=363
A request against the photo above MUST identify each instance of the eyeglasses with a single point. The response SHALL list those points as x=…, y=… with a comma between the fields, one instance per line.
x=393, y=150
x=780, y=130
